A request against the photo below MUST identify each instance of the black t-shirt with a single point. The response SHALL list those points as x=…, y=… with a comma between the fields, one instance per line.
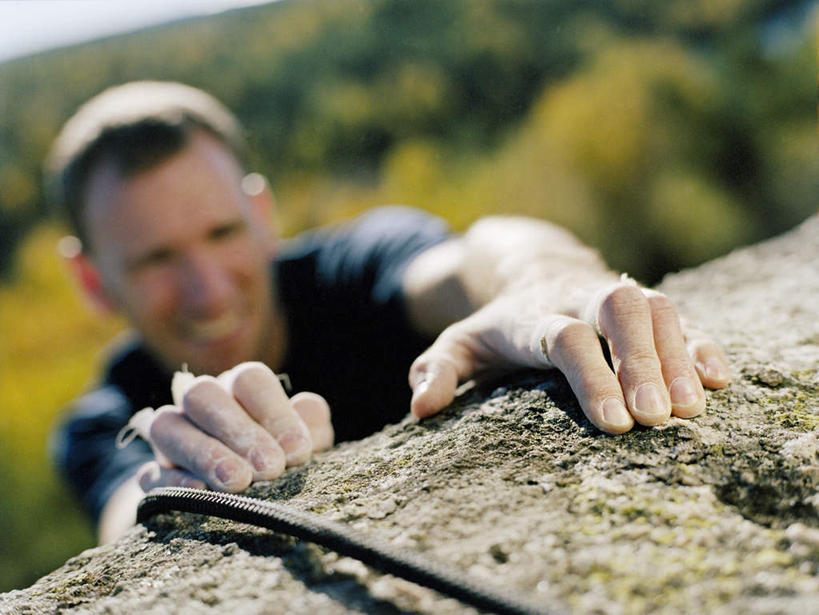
x=349, y=340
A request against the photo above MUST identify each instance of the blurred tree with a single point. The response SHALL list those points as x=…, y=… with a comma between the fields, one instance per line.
x=664, y=132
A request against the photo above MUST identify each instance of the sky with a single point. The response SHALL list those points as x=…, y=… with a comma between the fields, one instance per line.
x=29, y=26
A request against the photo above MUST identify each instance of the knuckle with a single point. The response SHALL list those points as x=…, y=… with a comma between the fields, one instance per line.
x=252, y=374
x=203, y=388
x=164, y=422
x=566, y=334
x=205, y=458
x=624, y=299
x=598, y=383
x=285, y=422
x=661, y=306
x=640, y=363
x=624, y=303
x=677, y=365
x=625, y=294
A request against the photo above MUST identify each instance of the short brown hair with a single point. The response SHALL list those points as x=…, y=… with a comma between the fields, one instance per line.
x=135, y=126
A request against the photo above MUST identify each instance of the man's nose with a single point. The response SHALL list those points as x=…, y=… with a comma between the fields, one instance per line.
x=206, y=283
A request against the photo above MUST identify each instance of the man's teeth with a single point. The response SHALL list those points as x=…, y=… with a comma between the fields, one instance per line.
x=213, y=329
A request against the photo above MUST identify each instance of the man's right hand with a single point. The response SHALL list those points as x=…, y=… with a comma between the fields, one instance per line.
x=229, y=431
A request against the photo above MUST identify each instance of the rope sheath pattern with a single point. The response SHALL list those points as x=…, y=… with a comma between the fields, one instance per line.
x=337, y=537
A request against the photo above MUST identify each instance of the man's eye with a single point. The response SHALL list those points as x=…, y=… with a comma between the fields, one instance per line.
x=152, y=259
x=226, y=231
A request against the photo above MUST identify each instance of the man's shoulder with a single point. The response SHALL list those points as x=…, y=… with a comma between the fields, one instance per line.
x=378, y=224
x=385, y=234
x=98, y=402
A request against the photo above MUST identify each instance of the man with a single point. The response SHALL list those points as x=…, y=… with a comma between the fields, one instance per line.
x=174, y=233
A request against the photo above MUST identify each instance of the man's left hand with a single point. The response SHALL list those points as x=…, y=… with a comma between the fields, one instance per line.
x=658, y=365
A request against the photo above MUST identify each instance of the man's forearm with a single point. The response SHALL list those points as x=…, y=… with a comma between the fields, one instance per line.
x=502, y=255
x=119, y=512
x=511, y=255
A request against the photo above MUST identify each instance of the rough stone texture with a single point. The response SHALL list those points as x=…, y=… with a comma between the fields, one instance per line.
x=719, y=514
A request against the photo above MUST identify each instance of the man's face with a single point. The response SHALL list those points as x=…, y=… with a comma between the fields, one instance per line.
x=184, y=253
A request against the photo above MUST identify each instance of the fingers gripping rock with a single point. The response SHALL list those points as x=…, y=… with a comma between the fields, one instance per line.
x=259, y=391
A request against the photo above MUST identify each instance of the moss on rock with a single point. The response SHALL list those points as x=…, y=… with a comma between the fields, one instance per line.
x=719, y=514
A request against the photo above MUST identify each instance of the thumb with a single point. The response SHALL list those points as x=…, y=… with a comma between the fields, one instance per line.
x=434, y=376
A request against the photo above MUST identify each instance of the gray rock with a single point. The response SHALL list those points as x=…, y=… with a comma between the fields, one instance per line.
x=719, y=514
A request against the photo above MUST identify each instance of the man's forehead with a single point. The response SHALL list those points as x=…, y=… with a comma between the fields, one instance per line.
x=109, y=176
x=201, y=184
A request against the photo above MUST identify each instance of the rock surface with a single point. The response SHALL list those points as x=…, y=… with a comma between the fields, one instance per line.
x=719, y=514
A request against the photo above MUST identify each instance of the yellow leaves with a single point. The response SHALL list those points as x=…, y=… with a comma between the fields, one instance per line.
x=611, y=121
x=412, y=171
x=347, y=102
x=792, y=162
x=705, y=12
x=414, y=90
x=598, y=124
x=698, y=218
x=47, y=351
x=291, y=29
x=16, y=187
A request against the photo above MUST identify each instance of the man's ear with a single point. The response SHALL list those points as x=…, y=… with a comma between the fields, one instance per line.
x=263, y=204
x=86, y=274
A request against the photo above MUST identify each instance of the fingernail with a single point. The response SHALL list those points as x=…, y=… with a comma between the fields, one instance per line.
x=227, y=471
x=420, y=388
x=615, y=413
x=193, y=483
x=715, y=370
x=421, y=383
x=650, y=402
x=297, y=447
x=266, y=460
x=683, y=392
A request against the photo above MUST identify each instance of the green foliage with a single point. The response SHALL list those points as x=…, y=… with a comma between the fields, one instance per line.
x=47, y=357
x=664, y=132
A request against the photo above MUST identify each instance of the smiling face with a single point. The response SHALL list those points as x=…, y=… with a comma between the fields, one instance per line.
x=185, y=254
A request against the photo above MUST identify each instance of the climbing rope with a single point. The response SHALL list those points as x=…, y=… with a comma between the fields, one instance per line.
x=339, y=538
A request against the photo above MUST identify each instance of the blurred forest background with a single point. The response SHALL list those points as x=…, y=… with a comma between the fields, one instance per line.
x=665, y=133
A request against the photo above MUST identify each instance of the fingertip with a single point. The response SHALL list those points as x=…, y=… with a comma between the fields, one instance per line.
x=193, y=483
x=148, y=476
x=423, y=404
x=613, y=417
x=650, y=404
x=687, y=397
x=714, y=373
x=710, y=362
x=430, y=398
x=152, y=475
x=616, y=430
x=311, y=407
x=315, y=412
x=434, y=389
x=231, y=475
x=267, y=459
x=691, y=410
x=300, y=454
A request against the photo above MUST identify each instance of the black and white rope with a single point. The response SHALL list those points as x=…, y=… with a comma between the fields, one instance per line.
x=339, y=538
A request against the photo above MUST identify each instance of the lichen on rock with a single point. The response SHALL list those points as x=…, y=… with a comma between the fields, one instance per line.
x=717, y=514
